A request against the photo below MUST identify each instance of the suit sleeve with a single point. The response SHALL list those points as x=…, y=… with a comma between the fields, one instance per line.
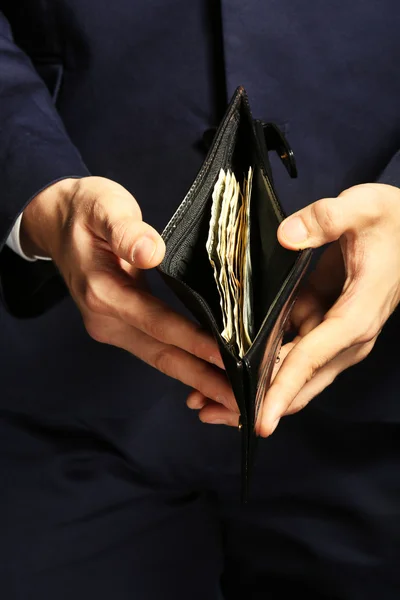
x=391, y=174
x=35, y=152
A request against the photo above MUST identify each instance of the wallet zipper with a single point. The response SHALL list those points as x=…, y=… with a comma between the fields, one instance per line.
x=232, y=122
x=220, y=156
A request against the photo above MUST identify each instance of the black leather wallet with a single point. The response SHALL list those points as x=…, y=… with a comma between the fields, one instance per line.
x=239, y=142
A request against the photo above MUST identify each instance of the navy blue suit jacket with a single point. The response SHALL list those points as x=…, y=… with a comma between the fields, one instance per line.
x=125, y=90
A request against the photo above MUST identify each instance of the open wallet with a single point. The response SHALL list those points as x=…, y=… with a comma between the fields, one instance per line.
x=224, y=262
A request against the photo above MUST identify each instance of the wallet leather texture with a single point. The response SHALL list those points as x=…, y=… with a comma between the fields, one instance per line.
x=239, y=142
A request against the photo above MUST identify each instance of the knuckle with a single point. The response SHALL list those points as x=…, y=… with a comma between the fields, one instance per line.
x=118, y=197
x=121, y=236
x=195, y=348
x=364, y=351
x=368, y=331
x=374, y=207
x=311, y=364
x=326, y=215
x=203, y=379
x=92, y=207
x=164, y=361
x=331, y=377
x=197, y=378
x=154, y=325
x=200, y=343
x=96, y=332
x=75, y=230
x=296, y=407
x=94, y=300
x=371, y=203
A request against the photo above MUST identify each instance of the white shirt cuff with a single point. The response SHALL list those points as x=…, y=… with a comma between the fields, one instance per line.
x=14, y=242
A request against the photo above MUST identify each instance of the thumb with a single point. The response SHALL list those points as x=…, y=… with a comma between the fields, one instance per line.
x=118, y=220
x=319, y=223
x=136, y=242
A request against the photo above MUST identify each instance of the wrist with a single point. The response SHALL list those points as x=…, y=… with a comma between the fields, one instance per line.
x=44, y=217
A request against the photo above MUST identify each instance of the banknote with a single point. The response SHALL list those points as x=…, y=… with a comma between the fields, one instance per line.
x=221, y=251
x=247, y=295
x=228, y=248
x=212, y=240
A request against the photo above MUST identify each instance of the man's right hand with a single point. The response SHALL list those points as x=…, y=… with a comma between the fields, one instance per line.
x=93, y=229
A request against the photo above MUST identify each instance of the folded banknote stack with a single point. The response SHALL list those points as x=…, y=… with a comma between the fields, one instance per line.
x=228, y=247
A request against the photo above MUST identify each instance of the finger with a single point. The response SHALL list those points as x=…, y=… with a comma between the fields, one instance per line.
x=116, y=218
x=184, y=367
x=310, y=354
x=326, y=220
x=196, y=400
x=307, y=312
x=109, y=294
x=284, y=351
x=170, y=360
x=325, y=376
x=135, y=242
x=328, y=278
x=214, y=413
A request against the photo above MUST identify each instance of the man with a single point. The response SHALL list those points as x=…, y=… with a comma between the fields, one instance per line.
x=111, y=487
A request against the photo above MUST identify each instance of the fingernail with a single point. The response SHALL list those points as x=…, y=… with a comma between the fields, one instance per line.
x=217, y=422
x=144, y=250
x=294, y=230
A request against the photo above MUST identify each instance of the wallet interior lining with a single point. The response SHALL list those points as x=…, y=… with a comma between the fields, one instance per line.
x=271, y=263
